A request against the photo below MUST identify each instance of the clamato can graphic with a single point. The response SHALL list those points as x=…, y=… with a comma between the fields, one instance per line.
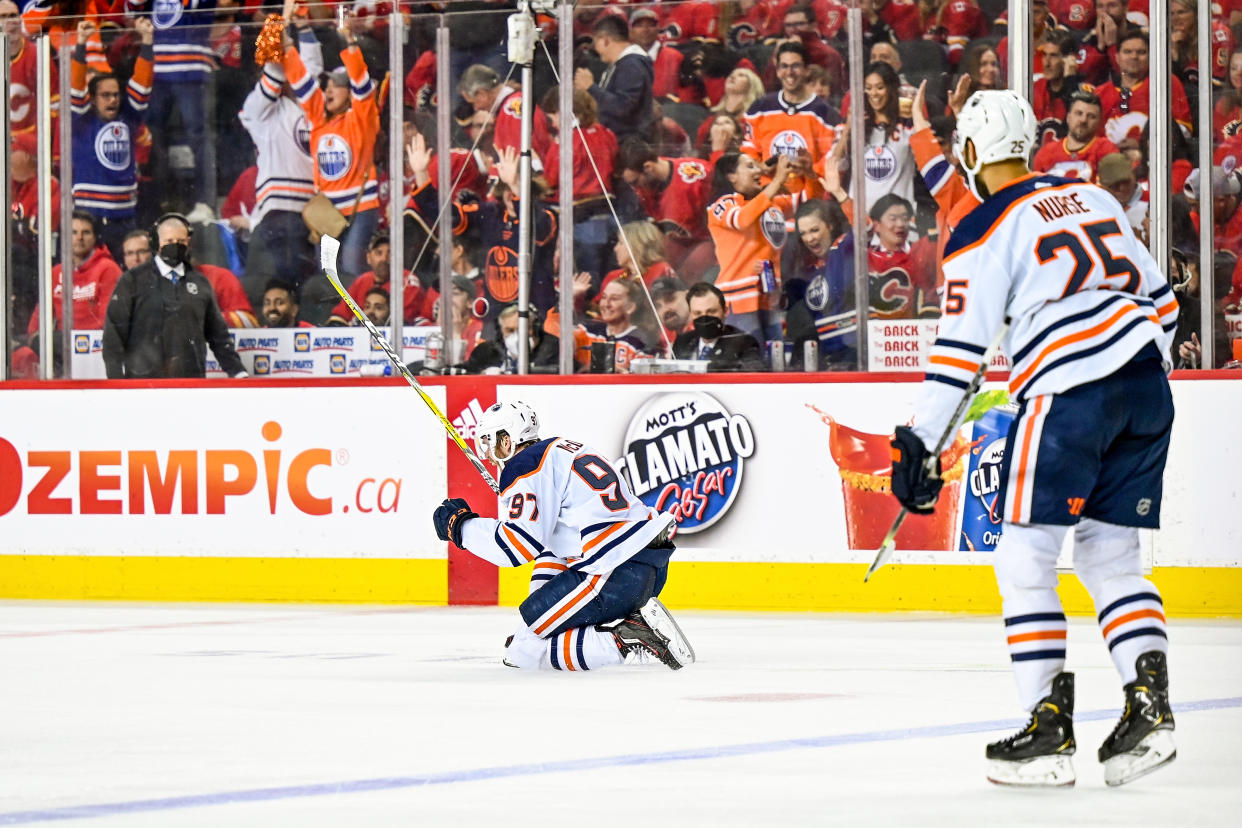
x=981, y=517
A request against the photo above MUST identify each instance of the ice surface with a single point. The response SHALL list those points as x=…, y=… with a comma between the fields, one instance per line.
x=208, y=715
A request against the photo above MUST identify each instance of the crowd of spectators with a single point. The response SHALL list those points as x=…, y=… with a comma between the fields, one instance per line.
x=711, y=169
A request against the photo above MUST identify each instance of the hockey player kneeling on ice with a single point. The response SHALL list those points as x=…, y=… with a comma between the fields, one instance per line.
x=600, y=554
x=1090, y=319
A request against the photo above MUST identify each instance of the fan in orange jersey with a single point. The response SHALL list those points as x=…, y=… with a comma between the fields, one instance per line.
x=934, y=157
x=344, y=120
x=791, y=120
x=748, y=226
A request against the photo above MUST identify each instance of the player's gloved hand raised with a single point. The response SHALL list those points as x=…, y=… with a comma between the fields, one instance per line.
x=449, y=518
x=915, y=488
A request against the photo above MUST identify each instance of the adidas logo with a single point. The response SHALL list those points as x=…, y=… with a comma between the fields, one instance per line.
x=468, y=419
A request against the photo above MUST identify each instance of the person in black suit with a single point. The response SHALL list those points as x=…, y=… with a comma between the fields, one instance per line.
x=163, y=315
x=724, y=347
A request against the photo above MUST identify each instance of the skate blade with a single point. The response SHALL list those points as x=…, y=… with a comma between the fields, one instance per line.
x=1040, y=772
x=1154, y=752
x=661, y=620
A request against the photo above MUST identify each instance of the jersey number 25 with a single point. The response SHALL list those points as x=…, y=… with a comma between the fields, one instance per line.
x=1049, y=247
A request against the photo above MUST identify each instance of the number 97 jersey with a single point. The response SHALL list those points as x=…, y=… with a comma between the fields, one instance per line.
x=562, y=498
x=1059, y=259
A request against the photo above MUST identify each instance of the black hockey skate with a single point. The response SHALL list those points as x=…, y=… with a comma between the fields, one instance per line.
x=1143, y=740
x=1039, y=755
x=650, y=634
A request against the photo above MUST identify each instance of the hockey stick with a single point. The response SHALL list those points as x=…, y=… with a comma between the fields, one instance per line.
x=329, y=248
x=929, y=464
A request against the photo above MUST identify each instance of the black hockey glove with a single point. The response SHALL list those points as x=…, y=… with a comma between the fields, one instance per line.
x=449, y=518
x=916, y=489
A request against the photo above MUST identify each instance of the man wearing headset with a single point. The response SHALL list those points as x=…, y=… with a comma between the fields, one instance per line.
x=163, y=315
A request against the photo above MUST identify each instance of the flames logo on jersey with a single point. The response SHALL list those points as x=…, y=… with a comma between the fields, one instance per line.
x=334, y=157
x=742, y=35
x=692, y=171
x=1123, y=127
x=684, y=453
x=20, y=99
x=513, y=106
x=112, y=146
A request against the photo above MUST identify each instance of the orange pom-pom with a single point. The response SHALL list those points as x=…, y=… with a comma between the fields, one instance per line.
x=267, y=46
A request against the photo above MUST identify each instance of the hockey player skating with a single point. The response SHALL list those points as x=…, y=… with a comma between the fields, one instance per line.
x=1091, y=318
x=600, y=554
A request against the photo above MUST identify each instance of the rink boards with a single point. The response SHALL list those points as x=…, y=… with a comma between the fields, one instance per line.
x=321, y=490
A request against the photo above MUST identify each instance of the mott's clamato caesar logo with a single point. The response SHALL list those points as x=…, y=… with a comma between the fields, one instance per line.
x=287, y=480
x=684, y=454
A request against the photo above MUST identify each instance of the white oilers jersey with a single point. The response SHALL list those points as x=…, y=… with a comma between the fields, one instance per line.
x=562, y=499
x=281, y=134
x=1058, y=257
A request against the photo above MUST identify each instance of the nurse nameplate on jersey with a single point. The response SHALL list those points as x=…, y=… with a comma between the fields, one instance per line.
x=684, y=454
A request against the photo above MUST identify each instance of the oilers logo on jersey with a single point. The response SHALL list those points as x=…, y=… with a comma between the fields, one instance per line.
x=334, y=157
x=166, y=13
x=788, y=142
x=772, y=223
x=112, y=146
x=880, y=164
x=302, y=134
x=817, y=293
x=684, y=453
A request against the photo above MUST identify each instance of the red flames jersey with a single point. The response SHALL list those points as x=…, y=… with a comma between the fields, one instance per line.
x=420, y=83
x=1078, y=15
x=955, y=24
x=903, y=282
x=594, y=142
x=683, y=202
x=1124, y=115
x=690, y=20
x=1055, y=158
x=509, y=128
x=23, y=82
x=902, y=16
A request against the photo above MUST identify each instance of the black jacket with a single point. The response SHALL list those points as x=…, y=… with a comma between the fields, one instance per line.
x=157, y=329
x=733, y=351
x=624, y=97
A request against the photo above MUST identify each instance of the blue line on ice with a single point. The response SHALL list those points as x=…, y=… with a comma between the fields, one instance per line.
x=538, y=769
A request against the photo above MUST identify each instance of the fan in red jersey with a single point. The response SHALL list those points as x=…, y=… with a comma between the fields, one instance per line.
x=1078, y=154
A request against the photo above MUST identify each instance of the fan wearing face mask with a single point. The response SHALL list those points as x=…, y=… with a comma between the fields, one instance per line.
x=163, y=314
x=723, y=347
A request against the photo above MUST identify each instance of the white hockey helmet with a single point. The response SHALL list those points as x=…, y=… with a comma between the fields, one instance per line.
x=517, y=419
x=1000, y=124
